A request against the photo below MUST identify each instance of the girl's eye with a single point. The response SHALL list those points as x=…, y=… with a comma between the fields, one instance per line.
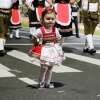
x=49, y=18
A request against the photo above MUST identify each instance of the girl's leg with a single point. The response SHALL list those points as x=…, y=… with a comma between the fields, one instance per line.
x=48, y=77
x=11, y=34
x=43, y=71
x=17, y=34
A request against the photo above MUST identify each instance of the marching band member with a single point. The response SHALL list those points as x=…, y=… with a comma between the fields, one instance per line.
x=5, y=13
x=91, y=16
x=15, y=20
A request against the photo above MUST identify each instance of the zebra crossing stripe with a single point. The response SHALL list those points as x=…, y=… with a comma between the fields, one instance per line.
x=4, y=72
x=24, y=57
x=28, y=81
x=98, y=51
x=83, y=58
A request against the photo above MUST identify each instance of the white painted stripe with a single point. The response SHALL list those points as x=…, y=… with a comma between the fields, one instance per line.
x=62, y=69
x=24, y=57
x=18, y=44
x=4, y=67
x=83, y=58
x=25, y=37
x=62, y=44
x=4, y=72
x=28, y=81
x=98, y=51
x=98, y=95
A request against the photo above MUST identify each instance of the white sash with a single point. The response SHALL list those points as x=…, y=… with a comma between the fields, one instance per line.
x=93, y=7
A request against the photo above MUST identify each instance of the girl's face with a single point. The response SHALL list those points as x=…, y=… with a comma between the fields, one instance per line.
x=49, y=20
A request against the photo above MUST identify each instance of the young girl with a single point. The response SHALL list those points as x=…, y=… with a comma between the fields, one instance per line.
x=51, y=52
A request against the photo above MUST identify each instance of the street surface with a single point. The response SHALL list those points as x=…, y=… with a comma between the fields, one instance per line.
x=78, y=78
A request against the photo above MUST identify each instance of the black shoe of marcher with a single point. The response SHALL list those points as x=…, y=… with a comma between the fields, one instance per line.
x=2, y=52
x=77, y=35
x=30, y=36
x=18, y=37
x=86, y=50
x=92, y=51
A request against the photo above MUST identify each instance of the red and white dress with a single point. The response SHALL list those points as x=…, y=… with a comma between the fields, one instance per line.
x=63, y=18
x=51, y=52
x=15, y=20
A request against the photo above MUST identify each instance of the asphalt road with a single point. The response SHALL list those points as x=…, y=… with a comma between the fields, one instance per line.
x=78, y=78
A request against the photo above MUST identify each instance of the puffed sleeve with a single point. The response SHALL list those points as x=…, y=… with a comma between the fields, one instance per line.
x=38, y=33
x=58, y=36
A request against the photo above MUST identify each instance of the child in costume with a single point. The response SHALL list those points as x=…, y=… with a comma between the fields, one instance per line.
x=75, y=9
x=51, y=51
x=63, y=17
x=15, y=20
x=34, y=9
x=5, y=13
x=90, y=16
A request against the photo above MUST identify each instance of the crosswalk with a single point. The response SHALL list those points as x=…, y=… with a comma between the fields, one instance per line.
x=21, y=56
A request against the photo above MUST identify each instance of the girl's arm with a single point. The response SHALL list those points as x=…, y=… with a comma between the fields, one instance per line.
x=36, y=37
x=35, y=41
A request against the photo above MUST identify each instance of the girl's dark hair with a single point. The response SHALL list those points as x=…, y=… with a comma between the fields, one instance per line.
x=47, y=10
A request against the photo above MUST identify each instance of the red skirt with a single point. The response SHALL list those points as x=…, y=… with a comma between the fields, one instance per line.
x=35, y=51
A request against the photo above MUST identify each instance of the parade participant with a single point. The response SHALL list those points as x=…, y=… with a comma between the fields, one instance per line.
x=31, y=5
x=51, y=51
x=15, y=20
x=5, y=12
x=33, y=20
x=90, y=15
x=63, y=17
x=75, y=9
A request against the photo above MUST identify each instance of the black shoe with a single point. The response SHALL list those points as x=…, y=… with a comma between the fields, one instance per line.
x=77, y=35
x=86, y=50
x=30, y=36
x=18, y=37
x=92, y=51
x=2, y=52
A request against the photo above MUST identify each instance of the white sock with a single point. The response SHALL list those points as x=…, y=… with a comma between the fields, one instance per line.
x=11, y=35
x=4, y=41
x=90, y=41
x=17, y=33
x=2, y=44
